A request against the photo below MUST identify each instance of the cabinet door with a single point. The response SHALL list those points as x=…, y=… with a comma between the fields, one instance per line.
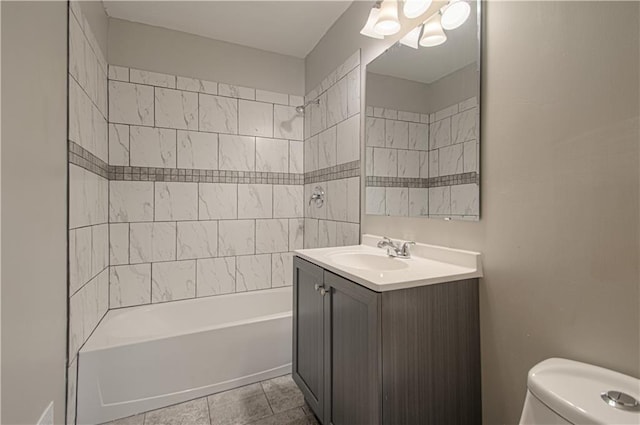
x=352, y=356
x=308, y=352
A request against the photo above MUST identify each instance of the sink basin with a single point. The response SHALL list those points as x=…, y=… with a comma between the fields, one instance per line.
x=362, y=261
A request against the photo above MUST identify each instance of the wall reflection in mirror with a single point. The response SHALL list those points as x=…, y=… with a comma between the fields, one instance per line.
x=422, y=124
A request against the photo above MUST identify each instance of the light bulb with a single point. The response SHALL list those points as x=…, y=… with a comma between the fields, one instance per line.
x=433, y=35
x=455, y=14
x=412, y=38
x=388, y=23
x=371, y=21
x=414, y=8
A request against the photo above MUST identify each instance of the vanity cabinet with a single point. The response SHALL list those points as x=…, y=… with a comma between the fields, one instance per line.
x=408, y=356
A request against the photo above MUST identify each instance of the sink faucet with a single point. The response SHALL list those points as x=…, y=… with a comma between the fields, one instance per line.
x=393, y=250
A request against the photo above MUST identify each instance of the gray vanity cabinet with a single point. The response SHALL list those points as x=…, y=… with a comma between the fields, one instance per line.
x=402, y=357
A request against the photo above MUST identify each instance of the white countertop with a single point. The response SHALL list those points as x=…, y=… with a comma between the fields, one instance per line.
x=428, y=265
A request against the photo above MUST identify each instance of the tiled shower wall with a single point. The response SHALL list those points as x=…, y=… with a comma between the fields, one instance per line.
x=206, y=190
x=423, y=164
x=88, y=191
x=332, y=158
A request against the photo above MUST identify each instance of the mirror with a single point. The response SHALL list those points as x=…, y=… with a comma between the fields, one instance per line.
x=422, y=127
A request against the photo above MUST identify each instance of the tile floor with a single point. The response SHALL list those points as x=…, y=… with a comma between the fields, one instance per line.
x=277, y=401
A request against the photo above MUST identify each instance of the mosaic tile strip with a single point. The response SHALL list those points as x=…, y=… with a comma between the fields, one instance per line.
x=83, y=158
x=452, y=180
x=342, y=171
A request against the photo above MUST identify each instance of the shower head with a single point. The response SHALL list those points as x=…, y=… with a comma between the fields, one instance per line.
x=300, y=109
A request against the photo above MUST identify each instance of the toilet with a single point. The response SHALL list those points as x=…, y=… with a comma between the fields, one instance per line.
x=561, y=392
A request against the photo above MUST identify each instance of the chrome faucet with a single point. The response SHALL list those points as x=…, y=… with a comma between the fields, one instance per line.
x=394, y=250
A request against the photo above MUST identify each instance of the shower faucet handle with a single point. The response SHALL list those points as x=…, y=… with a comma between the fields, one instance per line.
x=317, y=196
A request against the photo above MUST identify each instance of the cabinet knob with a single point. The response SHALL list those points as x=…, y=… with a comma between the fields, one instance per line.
x=323, y=291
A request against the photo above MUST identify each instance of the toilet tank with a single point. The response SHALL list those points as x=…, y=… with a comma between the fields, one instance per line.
x=564, y=392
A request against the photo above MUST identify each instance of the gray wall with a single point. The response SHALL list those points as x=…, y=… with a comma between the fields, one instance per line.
x=173, y=52
x=559, y=225
x=397, y=93
x=34, y=167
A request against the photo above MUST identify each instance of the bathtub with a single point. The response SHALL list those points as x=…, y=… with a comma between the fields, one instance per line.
x=147, y=357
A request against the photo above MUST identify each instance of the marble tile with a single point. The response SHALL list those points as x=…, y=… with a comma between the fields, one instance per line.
x=217, y=201
x=296, y=157
x=81, y=128
x=236, y=237
x=100, y=136
x=129, y=285
x=434, y=160
x=99, y=248
x=418, y=136
x=327, y=236
x=236, y=91
x=241, y=412
x=283, y=394
x=311, y=155
x=295, y=100
x=272, y=97
x=369, y=111
x=197, y=239
x=152, y=242
x=130, y=201
x=310, y=233
x=368, y=152
x=197, y=150
x=79, y=258
x=472, y=102
x=408, y=116
x=348, y=140
x=195, y=412
x=391, y=114
x=218, y=114
x=174, y=280
x=77, y=51
x=296, y=233
x=397, y=201
x=272, y=235
x=337, y=200
x=470, y=152
x=272, y=155
x=152, y=147
x=440, y=200
x=440, y=133
x=396, y=134
x=376, y=201
x=130, y=103
x=237, y=153
x=253, y=272
x=130, y=420
x=118, y=144
x=176, y=201
x=450, y=160
x=424, y=118
x=353, y=92
x=349, y=64
x=446, y=112
x=465, y=199
x=374, y=132
x=408, y=164
x=464, y=126
x=216, y=276
x=196, y=85
x=255, y=118
x=72, y=380
x=288, y=201
x=418, y=202
x=118, y=244
x=281, y=269
x=152, y=78
x=385, y=162
x=176, y=109
x=294, y=416
x=337, y=103
x=287, y=123
x=327, y=148
x=423, y=157
x=353, y=199
x=347, y=234
x=255, y=201
x=318, y=116
x=119, y=73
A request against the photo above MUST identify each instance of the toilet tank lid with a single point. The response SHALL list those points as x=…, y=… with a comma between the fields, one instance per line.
x=573, y=390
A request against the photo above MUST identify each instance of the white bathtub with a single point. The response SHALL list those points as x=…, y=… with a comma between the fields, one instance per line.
x=147, y=357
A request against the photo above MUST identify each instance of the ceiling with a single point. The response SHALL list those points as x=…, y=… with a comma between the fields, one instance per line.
x=288, y=27
x=429, y=64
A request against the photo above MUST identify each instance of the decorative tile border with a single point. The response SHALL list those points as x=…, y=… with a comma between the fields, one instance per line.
x=342, y=171
x=452, y=180
x=85, y=159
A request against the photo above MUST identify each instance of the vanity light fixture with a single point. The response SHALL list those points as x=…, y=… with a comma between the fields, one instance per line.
x=433, y=34
x=412, y=38
x=455, y=14
x=368, y=30
x=414, y=8
x=388, y=23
